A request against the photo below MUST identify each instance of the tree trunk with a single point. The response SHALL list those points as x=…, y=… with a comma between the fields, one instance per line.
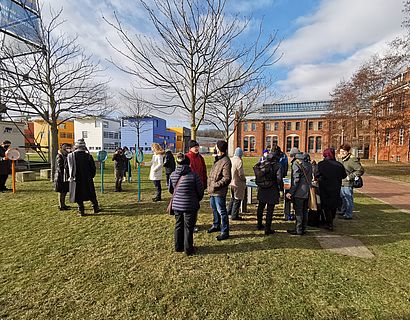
x=53, y=145
x=194, y=129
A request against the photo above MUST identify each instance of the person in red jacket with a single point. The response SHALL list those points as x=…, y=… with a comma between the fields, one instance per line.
x=197, y=162
x=197, y=165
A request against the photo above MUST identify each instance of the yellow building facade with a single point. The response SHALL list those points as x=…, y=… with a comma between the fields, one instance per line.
x=42, y=132
x=182, y=137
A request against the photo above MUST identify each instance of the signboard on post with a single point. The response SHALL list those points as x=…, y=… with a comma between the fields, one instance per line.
x=13, y=155
x=20, y=19
x=102, y=156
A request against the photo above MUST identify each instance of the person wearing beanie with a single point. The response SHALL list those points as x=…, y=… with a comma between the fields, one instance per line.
x=218, y=183
x=197, y=161
x=330, y=174
x=293, y=152
x=61, y=184
x=81, y=167
x=169, y=164
x=238, y=185
x=187, y=191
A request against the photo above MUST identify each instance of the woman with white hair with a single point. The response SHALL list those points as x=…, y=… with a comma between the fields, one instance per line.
x=238, y=185
x=155, y=174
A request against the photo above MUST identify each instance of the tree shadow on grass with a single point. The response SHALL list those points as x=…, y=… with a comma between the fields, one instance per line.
x=135, y=209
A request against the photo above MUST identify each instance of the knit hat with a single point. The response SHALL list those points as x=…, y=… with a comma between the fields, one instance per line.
x=294, y=151
x=329, y=154
x=222, y=146
x=238, y=152
x=265, y=151
x=80, y=143
x=181, y=159
x=193, y=143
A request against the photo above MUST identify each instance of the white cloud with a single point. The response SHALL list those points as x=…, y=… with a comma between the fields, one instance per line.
x=341, y=27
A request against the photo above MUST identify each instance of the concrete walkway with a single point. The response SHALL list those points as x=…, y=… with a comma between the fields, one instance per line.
x=394, y=193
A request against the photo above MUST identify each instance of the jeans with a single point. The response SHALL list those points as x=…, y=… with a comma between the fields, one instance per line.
x=301, y=212
x=346, y=193
x=157, y=184
x=233, y=207
x=184, y=229
x=218, y=205
x=269, y=214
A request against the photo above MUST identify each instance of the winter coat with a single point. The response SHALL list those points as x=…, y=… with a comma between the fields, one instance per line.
x=220, y=177
x=169, y=162
x=197, y=164
x=272, y=195
x=5, y=165
x=330, y=174
x=300, y=184
x=190, y=190
x=283, y=161
x=238, y=182
x=120, y=162
x=61, y=183
x=353, y=169
x=157, y=163
x=85, y=172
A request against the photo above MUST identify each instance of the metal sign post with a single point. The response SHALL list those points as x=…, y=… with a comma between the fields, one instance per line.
x=102, y=156
x=13, y=155
x=129, y=155
x=139, y=157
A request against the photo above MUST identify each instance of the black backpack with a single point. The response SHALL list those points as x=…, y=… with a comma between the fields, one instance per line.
x=265, y=175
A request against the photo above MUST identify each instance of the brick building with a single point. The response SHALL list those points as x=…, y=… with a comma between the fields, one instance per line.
x=300, y=124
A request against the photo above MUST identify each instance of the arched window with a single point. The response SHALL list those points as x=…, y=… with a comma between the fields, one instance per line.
x=318, y=144
x=249, y=144
x=311, y=144
x=270, y=141
x=292, y=141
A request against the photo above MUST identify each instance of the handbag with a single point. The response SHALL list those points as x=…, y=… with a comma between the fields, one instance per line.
x=312, y=191
x=169, y=207
x=357, y=182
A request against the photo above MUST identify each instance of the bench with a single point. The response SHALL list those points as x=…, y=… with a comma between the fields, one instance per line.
x=24, y=176
x=45, y=174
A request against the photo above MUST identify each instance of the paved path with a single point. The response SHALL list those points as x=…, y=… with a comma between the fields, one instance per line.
x=344, y=245
x=394, y=193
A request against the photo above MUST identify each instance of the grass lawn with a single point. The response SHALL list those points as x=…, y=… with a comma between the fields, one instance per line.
x=120, y=264
x=396, y=171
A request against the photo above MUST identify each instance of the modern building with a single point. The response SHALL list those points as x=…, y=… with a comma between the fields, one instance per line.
x=41, y=131
x=98, y=133
x=183, y=136
x=12, y=131
x=300, y=124
x=391, y=122
x=146, y=131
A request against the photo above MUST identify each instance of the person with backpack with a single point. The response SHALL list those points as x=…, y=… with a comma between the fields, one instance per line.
x=354, y=170
x=188, y=191
x=268, y=177
x=169, y=164
x=301, y=181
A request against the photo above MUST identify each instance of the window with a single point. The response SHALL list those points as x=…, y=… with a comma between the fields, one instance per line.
x=69, y=135
x=97, y=123
x=320, y=125
x=246, y=144
x=318, y=144
x=84, y=134
x=288, y=125
x=91, y=148
x=62, y=135
x=268, y=142
x=179, y=138
x=288, y=144
x=110, y=135
x=298, y=125
x=401, y=136
x=156, y=123
x=105, y=135
x=296, y=142
x=390, y=108
x=274, y=141
x=276, y=126
x=387, y=140
x=252, y=143
x=245, y=127
x=105, y=124
x=311, y=144
x=253, y=126
x=268, y=126
x=62, y=126
x=116, y=136
x=310, y=125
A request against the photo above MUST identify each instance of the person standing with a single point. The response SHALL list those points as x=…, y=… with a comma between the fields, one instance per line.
x=169, y=164
x=120, y=163
x=197, y=161
x=127, y=161
x=5, y=165
x=155, y=174
x=218, y=183
x=268, y=191
x=61, y=175
x=238, y=185
x=82, y=171
x=188, y=191
x=301, y=180
x=353, y=169
x=330, y=174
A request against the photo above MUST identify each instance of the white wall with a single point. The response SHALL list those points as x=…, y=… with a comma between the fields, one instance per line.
x=9, y=131
x=94, y=140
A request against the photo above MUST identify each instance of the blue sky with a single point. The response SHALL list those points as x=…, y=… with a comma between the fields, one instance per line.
x=322, y=41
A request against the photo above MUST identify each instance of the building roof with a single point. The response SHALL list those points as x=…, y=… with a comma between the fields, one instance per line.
x=292, y=110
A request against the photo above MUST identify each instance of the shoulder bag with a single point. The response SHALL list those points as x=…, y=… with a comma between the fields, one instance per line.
x=312, y=191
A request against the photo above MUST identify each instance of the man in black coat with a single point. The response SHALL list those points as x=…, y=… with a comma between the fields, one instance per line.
x=81, y=173
x=61, y=184
x=5, y=165
x=330, y=174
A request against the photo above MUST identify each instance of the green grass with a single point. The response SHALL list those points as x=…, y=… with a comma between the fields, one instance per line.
x=397, y=171
x=120, y=264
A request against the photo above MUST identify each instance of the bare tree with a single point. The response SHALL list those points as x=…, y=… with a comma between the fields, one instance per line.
x=194, y=45
x=137, y=110
x=58, y=83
